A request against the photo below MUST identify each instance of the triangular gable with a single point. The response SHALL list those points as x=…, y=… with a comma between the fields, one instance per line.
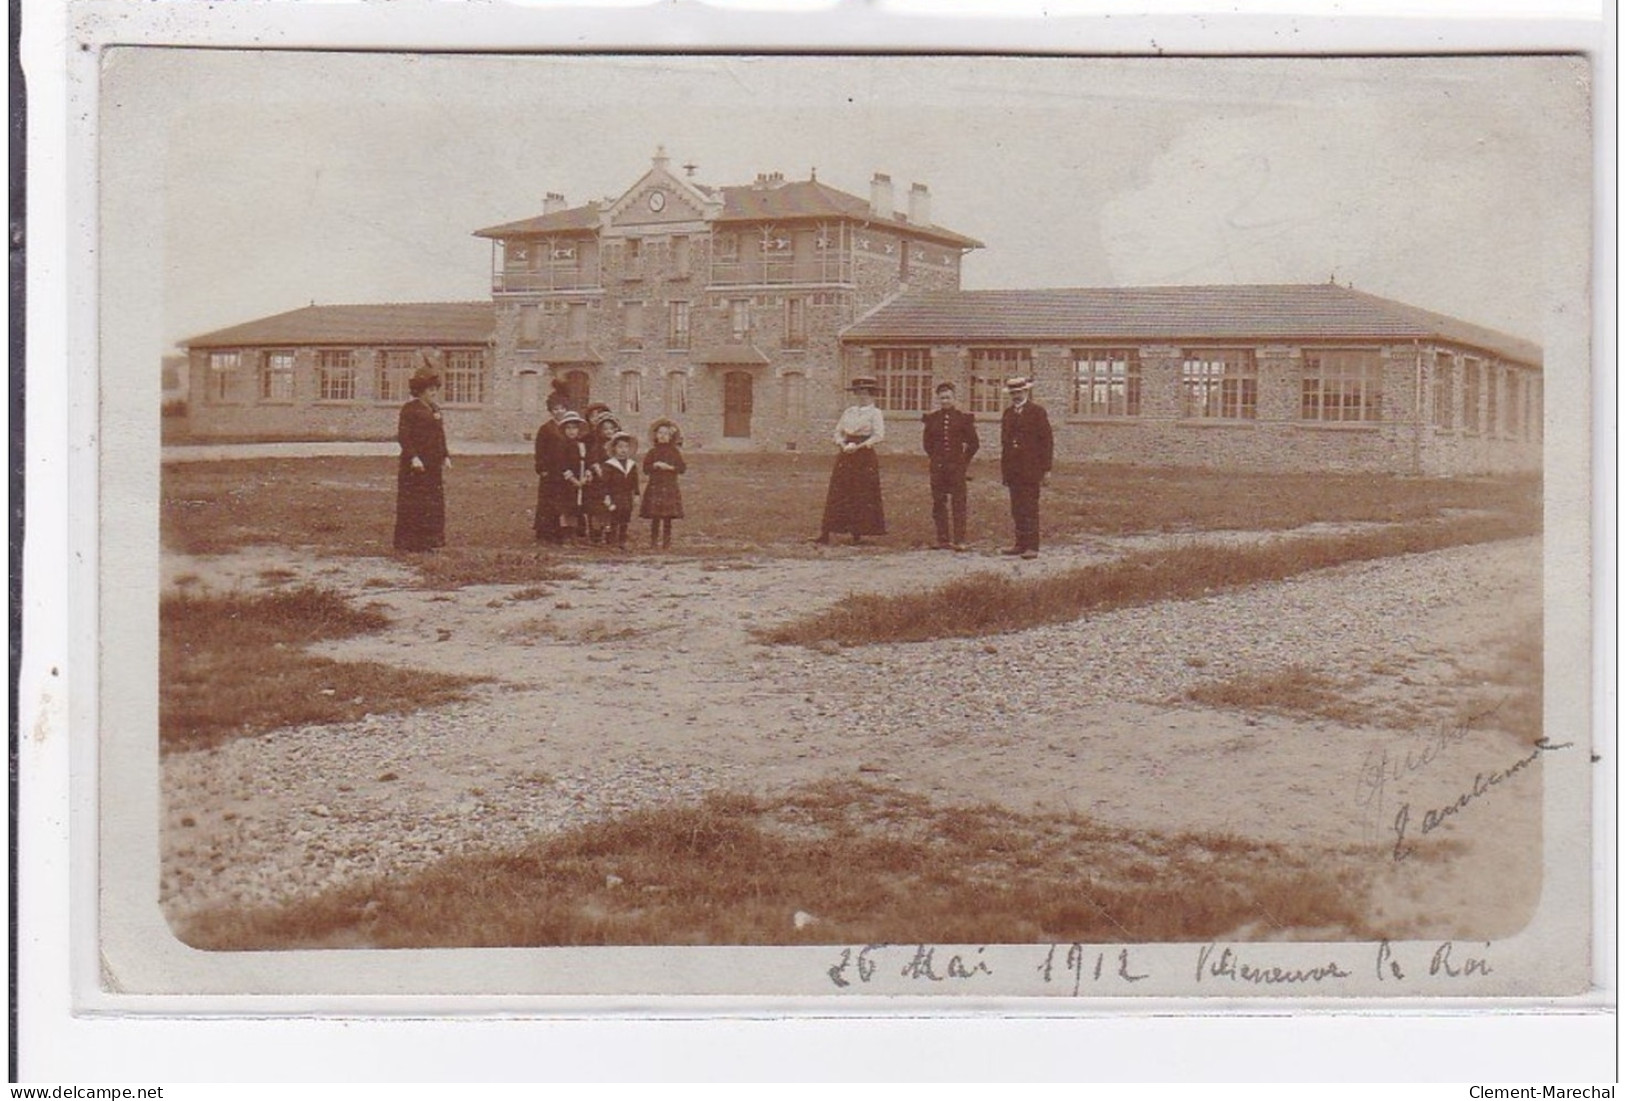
x=678, y=201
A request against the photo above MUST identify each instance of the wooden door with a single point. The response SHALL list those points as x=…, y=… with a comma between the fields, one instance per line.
x=738, y=394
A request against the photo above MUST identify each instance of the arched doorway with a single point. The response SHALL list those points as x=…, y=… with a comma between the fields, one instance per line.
x=578, y=387
x=738, y=400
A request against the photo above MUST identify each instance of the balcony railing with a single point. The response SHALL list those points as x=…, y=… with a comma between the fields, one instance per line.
x=770, y=269
x=551, y=277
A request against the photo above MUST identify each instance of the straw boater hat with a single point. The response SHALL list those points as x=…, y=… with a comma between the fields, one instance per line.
x=619, y=436
x=863, y=384
x=1018, y=384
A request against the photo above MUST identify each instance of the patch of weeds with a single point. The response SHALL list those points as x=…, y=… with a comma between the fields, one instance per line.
x=277, y=575
x=453, y=568
x=538, y=628
x=1295, y=690
x=990, y=603
x=231, y=665
x=378, y=583
x=605, y=632
x=530, y=592
x=532, y=630
x=869, y=865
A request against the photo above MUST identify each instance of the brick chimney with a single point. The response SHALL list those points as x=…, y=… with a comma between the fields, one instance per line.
x=919, y=204
x=880, y=200
x=553, y=203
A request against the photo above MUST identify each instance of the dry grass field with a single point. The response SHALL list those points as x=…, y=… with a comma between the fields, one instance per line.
x=893, y=743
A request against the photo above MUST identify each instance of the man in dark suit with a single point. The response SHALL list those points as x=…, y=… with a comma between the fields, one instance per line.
x=1026, y=453
x=950, y=440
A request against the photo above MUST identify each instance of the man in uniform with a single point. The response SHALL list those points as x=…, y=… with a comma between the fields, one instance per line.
x=950, y=441
x=1026, y=453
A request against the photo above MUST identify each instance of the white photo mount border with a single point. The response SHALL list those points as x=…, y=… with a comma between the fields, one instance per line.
x=100, y=945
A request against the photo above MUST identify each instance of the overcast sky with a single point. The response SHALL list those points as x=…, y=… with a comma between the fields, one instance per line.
x=282, y=178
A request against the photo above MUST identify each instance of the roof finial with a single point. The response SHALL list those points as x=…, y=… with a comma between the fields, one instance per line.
x=660, y=158
x=690, y=168
x=814, y=174
x=1332, y=279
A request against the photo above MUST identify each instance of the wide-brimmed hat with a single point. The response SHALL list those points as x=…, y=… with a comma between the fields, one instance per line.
x=864, y=384
x=667, y=422
x=596, y=412
x=599, y=422
x=572, y=417
x=619, y=436
x=424, y=378
x=1018, y=384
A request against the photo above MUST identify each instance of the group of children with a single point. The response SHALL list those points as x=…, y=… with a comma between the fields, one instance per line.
x=588, y=478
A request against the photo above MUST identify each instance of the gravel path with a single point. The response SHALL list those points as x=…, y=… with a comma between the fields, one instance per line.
x=1081, y=716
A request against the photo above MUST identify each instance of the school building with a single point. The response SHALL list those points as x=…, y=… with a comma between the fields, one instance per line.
x=741, y=311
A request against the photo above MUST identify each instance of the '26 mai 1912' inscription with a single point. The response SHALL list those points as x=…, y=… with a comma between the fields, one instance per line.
x=1078, y=968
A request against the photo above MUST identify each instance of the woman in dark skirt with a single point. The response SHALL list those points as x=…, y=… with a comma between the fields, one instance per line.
x=551, y=490
x=853, y=506
x=420, y=497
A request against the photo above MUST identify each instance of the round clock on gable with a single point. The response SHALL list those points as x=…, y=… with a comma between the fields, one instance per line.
x=657, y=201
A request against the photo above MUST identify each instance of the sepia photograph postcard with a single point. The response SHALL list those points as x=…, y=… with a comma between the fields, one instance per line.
x=838, y=529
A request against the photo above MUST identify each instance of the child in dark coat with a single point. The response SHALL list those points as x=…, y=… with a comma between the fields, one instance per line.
x=574, y=475
x=604, y=428
x=618, y=478
x=662, y=500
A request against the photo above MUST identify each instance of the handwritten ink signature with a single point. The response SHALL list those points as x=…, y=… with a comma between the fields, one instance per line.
x=1392, y=762
x=1483, y=784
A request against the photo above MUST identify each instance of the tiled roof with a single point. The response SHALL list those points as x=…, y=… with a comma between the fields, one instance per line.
x=432, y=323
x=811, y=199
x=577, y=219
x=782, y=202
x=1312, y=311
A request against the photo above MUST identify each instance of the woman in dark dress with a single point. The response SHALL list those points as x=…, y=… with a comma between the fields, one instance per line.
x=420, y=497
x=551, y=491
x=853, y=506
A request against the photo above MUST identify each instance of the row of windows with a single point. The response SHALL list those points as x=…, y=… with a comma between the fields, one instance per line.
x=339, y=375
x=738, y=394
x=764, y=254
x=1106, y=382
x=1519, y=415
x=743, y=322
x=1337, y=386
x=672, y=253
